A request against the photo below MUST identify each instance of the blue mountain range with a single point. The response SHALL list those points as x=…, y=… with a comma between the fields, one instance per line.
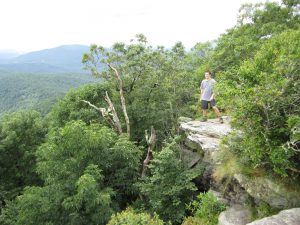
x=62, y=59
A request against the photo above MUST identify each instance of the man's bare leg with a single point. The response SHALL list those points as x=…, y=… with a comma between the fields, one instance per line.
x=204, y=115
x=216, y=110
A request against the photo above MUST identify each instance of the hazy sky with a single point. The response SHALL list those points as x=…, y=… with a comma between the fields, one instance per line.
x=28, y=25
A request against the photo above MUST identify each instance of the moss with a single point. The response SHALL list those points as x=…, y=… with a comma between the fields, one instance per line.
x=193, y=146
x=261, y=209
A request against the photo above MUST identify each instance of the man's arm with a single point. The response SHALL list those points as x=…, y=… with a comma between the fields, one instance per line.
x=213, y=94
x=201, y=90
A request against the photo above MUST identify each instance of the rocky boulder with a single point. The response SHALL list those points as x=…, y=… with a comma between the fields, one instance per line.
x=235, y=215
x=201, y=148
x=285, y=217
x=204, y=137
x=210, y=128
x=267, y=190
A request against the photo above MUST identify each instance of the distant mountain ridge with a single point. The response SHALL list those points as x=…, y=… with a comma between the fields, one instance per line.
x=37, y=91
x=8, y=54
x=62, y=59
x=34, y=80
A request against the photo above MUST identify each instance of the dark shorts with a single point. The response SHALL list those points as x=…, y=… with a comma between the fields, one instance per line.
x=204, y=103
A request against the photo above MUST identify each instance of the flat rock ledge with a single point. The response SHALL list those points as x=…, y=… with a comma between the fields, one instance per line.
x=210, y=128
x=204, y=136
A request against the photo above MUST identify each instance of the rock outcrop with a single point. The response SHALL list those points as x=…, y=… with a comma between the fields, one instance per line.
x=201, y=147
x=235, y=215
x=201, y=142
x=204, y=137
x=269, y=191
x=285, y=217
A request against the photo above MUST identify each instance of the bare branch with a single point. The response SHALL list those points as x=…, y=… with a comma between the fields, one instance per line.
x=151, y=141
x=106, y=115
x=123, y=103
x=294, y=146
x=294, y=170
x=114, y=113
x=101, y=110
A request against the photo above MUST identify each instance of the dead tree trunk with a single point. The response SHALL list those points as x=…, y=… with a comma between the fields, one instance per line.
x=114, y=122
x=123, y=103
x=151, y=141
x=114, y=113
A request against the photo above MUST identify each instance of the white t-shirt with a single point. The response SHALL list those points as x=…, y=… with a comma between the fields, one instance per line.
x=207, y=87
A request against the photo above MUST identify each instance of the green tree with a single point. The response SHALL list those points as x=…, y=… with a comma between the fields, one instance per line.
x=157, y=83
x=205, y=209
x=256, y=24
x=169, y=186
x=88, y=173
x=256, y=65
x=21, y=133
x=71, y=106
x=268, y=100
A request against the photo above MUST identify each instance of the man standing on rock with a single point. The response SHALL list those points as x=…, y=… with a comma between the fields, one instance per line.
x=207, y=96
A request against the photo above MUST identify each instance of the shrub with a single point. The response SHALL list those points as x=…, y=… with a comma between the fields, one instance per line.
x=206, y=209
x=130, y=217
x=170, y=186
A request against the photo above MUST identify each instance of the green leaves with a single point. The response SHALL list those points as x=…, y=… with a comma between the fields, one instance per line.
x=267, y=98
x=89, y=171
x=170, y=186
x=257, y=67
x=157, y=83
x=256, y=24
x=91, y=201
x=206, y=209
x=20, y=135
x=130, y=217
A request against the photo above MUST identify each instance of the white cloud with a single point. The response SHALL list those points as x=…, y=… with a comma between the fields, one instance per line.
x=36, y=24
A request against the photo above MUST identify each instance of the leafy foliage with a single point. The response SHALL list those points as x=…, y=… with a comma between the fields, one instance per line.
x=257, y=67
x=19, y=91
x=206, y=209
x=261, y=210
x=268, y=99
x=170, y=186
x=130, y=217
x=157, y=83
x=256, y=24
x=20, y=135
x=71, y=106
x=88, y=172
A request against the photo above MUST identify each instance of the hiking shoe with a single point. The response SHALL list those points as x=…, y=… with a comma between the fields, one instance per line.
x=204, y=119
x=221, y=120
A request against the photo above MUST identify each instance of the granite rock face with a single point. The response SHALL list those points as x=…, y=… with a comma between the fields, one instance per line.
x=204, y=137
x=210, y=128
x=269, y=191
x=285, y=217
x=235, y=215
x=183, y=119
x=201, y=148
